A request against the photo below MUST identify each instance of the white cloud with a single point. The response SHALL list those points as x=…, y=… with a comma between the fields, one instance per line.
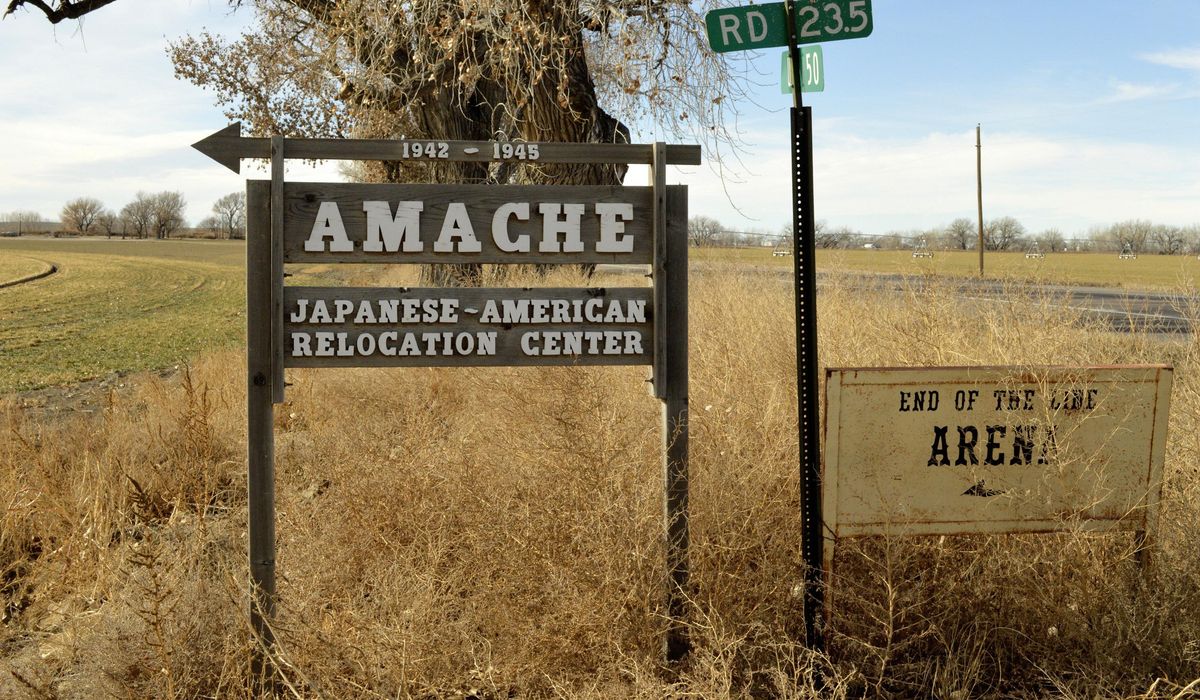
x=881, y=184
x=1183, y=59
x=1129, y=92
x=93, y=108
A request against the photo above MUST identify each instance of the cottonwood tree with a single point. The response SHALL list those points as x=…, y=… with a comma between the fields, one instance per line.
x=960, y=234
x=80, y=214
x=1004, y=233
x=1051, y=240
x=1132, y=234
x=138, y=214
x=1191, y=237
x=109, y=222
x=549, y=70
x=208, y=225
x=166, y=213
x=703, y=231
x=229, y=213
x=824, y=236
x=1169, y=240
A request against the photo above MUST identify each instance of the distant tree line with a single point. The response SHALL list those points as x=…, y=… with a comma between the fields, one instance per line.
x=16, y=223
x=157, y=215
x=150, y=215
x=999, y=234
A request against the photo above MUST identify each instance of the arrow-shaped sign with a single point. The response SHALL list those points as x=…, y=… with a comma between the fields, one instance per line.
x=228, y=147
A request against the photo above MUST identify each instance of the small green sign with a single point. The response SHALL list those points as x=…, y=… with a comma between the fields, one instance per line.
x=812, y=67
x=763, y=26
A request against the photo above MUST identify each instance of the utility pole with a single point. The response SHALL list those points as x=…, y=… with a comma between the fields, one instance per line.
x=979, y=192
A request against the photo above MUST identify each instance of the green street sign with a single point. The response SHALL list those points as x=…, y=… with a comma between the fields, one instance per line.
x=763, y=26
x=812, y=67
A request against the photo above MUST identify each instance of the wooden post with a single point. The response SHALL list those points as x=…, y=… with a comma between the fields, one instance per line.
x=260, y=423
x=276, y=305
x=671, y=386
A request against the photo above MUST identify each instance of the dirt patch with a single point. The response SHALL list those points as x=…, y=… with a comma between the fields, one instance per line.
x=85, y=397
x=50, y=269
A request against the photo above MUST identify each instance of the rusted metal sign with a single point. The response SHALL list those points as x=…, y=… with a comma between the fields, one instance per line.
x=993, y=449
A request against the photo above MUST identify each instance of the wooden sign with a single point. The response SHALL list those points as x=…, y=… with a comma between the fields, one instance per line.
x=356, y=327
x=294, y=326
x=993, y=449
x=228, y=147
x=337, y=222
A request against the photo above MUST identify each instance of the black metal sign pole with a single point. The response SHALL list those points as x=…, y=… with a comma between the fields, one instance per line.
x=807, y=368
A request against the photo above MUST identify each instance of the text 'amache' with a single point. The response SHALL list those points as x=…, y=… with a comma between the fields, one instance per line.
x=401, y=231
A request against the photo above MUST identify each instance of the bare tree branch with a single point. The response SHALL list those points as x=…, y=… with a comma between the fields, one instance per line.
x=64, y=9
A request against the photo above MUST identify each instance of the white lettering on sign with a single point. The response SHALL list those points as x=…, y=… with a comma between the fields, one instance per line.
x=328, y=225
x=612, y=223
x=391, y=344
x=729, y=27
x=457, y=225
x=398, y=326
x=581, y=343
x=500, y=227
x=512, y=311
x=757, y=22
x=387, y=233
x=567, y=226
x=393, y=311
x=401, y=232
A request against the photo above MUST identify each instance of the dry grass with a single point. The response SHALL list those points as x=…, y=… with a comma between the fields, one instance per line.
x=1099, y=269
x=496, y=533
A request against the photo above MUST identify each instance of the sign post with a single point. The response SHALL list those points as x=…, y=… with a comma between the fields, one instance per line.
x=807, y=365
x=426, y=224
x=260, y=421
x=783, y=24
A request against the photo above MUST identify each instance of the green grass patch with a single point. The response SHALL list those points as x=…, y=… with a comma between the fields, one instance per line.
x=117, y=306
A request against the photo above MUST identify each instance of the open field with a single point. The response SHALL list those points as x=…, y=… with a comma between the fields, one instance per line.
x=1098, y=269
x=116, y=306
x=495, y=533
x=120, y=306
x=15, y=267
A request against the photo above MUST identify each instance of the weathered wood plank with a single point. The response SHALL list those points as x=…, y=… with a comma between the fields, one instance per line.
x=277, y=222
x=431, y=327
x=507, y=348
x=671, y=385
x=260, y=420
x=228, y=147
x=303, y=205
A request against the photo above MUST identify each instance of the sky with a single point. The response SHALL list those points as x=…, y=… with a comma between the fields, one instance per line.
x=1089, y=114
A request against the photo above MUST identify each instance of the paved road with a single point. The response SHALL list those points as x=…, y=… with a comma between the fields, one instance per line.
x=1123, y=310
